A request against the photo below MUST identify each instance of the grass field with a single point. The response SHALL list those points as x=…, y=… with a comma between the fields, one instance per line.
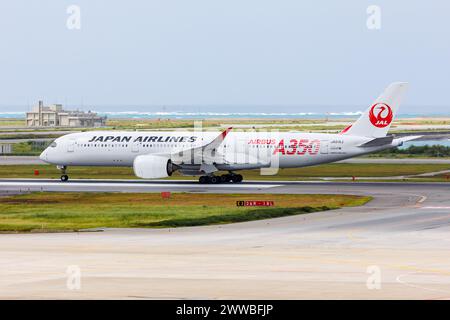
x=326, y=170
x=75, y=211
x=12, y=122
x=294, y=124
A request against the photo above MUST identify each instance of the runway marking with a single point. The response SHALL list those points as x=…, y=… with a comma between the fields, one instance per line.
x=422, y=199
x=398, y=280
x=140, y=185
x=431, y=207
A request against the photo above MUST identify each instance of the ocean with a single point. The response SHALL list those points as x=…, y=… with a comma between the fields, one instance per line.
x=229, y=114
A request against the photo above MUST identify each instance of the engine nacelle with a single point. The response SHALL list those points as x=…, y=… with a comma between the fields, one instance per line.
x=153, y=166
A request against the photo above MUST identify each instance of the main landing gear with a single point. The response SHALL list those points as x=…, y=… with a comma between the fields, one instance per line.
x=64, y=176
x=225, y=178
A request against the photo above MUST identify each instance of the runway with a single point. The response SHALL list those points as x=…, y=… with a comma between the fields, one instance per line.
x=255, y=186
x=86, y=185
x=396, y=246
x=34, y=160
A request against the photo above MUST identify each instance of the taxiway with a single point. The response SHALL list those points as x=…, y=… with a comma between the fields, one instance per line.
x=396, y=246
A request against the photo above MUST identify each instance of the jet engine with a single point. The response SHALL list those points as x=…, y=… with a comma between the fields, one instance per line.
x=153, y=166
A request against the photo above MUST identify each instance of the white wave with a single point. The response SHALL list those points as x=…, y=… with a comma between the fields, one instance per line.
x=181, y=113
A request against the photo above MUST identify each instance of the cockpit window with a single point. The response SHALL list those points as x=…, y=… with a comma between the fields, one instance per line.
x=53, y=144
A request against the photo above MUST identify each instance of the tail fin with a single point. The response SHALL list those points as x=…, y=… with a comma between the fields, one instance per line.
x=376, y=120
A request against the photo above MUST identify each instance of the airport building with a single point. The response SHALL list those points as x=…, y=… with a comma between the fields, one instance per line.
x=5, y=148
x=55, y=116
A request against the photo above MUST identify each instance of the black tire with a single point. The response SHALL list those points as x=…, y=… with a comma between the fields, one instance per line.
x=236, y=178
x=214, y=179
x=203, y=179
x=224, y=178
x=64, y=177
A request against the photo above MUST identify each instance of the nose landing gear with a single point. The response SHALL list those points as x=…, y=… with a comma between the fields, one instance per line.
x=64, y=176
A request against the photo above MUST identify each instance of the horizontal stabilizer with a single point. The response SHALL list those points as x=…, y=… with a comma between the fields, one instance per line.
x=424, y=136
x=378, y=142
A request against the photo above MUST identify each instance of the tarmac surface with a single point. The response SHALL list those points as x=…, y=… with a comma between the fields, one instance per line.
x=395, y=247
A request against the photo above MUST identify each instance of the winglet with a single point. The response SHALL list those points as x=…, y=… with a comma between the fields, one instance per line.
x=218, y=140
x=224, y=134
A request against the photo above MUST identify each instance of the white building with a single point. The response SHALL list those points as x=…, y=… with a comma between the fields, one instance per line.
x=55, y=116
x=5, y=148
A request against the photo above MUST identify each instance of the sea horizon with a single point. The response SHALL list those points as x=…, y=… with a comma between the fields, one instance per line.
x=222, y=112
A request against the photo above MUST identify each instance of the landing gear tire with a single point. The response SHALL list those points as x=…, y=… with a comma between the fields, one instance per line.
x=225, y=178
x=236, y=178
x=64, y=176
x=215, y=179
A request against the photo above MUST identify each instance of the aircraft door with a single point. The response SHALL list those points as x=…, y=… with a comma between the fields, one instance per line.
x=135, y=147
x=70, y=146
x=324, y=146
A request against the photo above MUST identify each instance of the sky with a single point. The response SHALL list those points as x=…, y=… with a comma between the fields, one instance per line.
x=239, y=54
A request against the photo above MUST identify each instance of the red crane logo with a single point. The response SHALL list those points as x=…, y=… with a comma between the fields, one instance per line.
x=380, y=115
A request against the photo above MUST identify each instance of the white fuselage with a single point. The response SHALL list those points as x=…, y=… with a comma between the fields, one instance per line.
x=257, y=149
x=158, y=154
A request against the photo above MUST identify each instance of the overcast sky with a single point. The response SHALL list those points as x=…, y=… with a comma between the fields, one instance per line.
x=217, y=52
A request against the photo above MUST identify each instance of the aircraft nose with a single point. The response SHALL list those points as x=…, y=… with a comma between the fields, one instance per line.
x=43, y=155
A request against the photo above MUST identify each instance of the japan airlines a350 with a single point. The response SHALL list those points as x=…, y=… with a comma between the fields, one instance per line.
x=159, y=154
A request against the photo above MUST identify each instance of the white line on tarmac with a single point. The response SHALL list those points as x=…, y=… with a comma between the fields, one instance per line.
x=136, y=185
x=399, y=280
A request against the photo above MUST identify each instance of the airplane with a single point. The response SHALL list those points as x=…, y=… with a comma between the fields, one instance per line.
x=157, y=154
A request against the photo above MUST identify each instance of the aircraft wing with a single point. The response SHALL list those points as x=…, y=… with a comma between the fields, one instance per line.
x=205, y=155
x=210, y=146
